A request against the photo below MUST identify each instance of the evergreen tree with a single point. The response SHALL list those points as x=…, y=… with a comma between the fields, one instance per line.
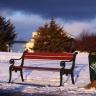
x=7, y=34
x=51, y=38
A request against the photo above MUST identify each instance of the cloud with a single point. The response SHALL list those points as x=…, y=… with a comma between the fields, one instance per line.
x=28, y=15
x=76, y=28
x=66, y=9
x=26, y=24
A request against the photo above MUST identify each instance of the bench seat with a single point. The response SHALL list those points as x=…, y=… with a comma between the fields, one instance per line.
x=36, y=68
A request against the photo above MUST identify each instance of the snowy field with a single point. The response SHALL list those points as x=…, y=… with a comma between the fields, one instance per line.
x=46, y=82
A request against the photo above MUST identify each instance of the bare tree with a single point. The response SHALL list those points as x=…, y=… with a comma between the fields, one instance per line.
x=86, y=42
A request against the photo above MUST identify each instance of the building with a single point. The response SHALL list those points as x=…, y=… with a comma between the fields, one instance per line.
x=30, y=44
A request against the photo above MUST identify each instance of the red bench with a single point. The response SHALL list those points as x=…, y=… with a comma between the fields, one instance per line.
x=63, y=57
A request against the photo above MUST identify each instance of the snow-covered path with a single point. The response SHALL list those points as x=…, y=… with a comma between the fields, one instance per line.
x=45, y=81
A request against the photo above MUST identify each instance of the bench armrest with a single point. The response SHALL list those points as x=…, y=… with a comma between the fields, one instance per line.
x=12, y=61
x=63, y=64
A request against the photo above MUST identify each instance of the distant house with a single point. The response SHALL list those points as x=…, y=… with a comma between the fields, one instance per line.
x=30, y=43
x=18, y=46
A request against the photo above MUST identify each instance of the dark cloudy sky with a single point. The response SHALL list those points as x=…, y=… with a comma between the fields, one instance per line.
x=27, y=15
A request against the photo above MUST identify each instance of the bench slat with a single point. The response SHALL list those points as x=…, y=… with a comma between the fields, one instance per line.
x=36, y=68
x=48, y=57
x=49, y=54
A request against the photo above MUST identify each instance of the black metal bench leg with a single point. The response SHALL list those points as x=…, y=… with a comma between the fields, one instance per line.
x=21, y=73
x=10, y=74
x=72, y=78
x=60, y=78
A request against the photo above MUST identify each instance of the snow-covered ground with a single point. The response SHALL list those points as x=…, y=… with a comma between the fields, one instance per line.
x=46, y=81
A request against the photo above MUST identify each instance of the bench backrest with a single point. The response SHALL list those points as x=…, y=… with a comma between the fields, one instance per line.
x=49, y=56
